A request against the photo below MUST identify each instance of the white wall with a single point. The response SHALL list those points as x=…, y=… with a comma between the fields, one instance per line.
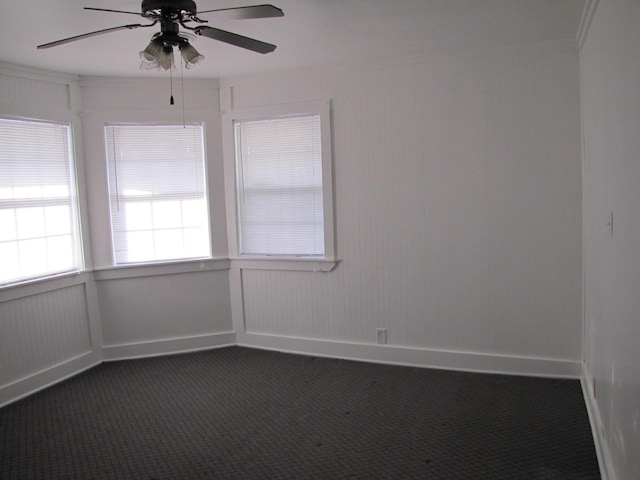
x=51, y=329
x=48, y=329
x=147, y=100
x=610, y=93
x=458, y=218
x=157, y=308
x=458, y=207
x=163, y=309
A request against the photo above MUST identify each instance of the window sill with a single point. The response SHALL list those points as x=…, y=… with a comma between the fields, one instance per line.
x=285, y=263
x=164, y=268
x=65, y=280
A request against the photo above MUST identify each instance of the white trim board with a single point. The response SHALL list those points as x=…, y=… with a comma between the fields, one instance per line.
x=416, y=357
x=600, y=441
x=31, y=384
x=168, y=346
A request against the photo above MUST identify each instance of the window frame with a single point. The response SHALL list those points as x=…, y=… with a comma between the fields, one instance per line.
x=318, y=263
x=110, y=194
x=72, y=201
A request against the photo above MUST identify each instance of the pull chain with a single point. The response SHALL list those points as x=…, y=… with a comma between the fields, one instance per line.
x=171, y=102
x=184, y=124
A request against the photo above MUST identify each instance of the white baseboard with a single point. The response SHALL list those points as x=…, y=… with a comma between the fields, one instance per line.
x=416, y=357
x=168, y=346
x=599, y=438
x=389, y=354
x=50, y=376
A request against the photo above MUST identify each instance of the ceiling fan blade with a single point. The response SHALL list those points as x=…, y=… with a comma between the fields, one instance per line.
x=92, y=34
x=235, y=39
x=109, y=10
x=242, y=13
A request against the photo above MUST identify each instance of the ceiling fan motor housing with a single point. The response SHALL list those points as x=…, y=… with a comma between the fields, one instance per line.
x=183, y=6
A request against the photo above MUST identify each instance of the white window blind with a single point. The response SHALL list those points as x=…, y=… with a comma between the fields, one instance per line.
x=157, y=189
x=279, y=186
x=39, y=234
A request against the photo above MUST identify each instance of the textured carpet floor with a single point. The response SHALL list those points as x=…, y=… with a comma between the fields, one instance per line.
x=251, y=414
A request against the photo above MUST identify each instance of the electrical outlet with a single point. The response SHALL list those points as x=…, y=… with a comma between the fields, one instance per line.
x=381, y=334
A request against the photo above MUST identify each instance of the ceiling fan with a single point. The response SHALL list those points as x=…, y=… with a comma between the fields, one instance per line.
x=173, y=14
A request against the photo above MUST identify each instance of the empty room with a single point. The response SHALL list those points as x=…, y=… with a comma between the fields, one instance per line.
x=319, y=239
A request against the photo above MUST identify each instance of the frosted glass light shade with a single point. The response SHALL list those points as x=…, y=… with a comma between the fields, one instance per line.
x=157, y=57
x=190, y=55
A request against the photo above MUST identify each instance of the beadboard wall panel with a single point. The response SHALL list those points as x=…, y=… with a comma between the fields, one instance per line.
x=150, y=94
x=21, y=90
x=163, y=307
x=458, y=207
x=41, y=331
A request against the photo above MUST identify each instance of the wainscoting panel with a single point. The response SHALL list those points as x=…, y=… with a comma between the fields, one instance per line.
x=160, y=308
x=41, y=332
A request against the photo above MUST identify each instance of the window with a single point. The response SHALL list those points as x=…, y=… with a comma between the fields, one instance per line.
x=39, y=233
x=157, y=190
x=283, y=185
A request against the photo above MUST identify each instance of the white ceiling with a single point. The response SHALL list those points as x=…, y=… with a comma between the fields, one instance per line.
x=312, y=32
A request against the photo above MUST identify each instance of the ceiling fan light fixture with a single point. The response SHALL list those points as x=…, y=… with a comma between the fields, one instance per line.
x=190, y=55
x=157, y=56
x=165, y=59
x=151, y=52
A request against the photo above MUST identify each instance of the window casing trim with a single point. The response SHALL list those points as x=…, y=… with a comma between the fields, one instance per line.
x=324, y=262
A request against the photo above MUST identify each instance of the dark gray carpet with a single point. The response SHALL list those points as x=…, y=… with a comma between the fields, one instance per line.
x=251, y=414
